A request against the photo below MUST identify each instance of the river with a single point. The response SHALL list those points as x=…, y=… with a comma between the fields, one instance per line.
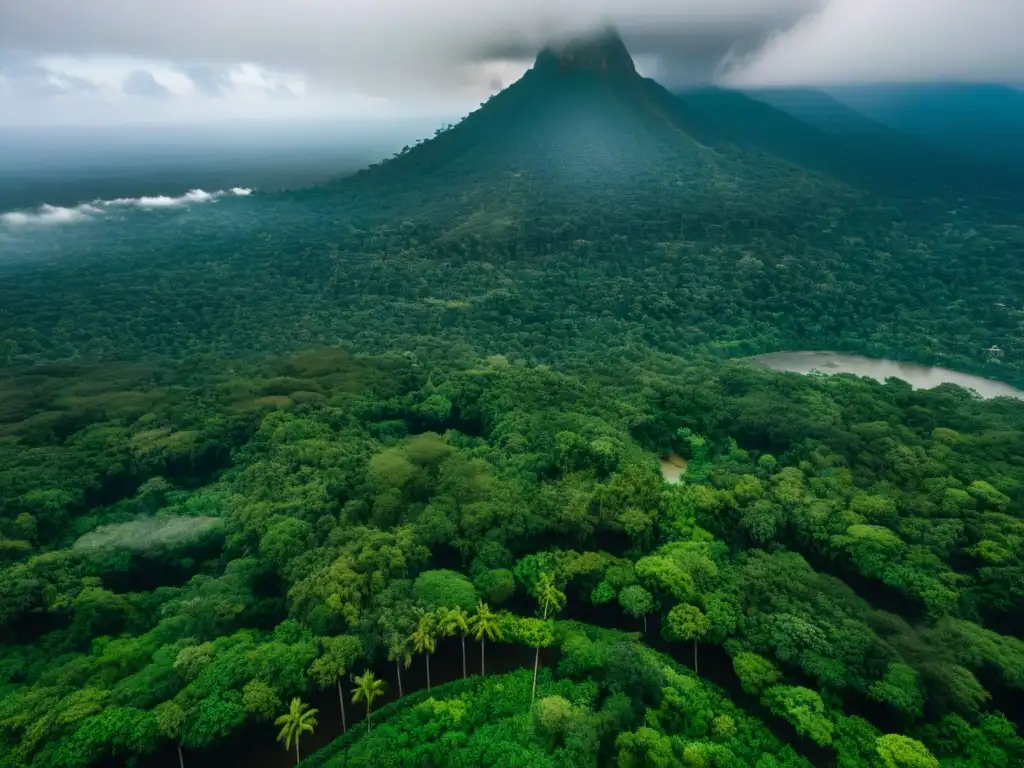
x=918, y=376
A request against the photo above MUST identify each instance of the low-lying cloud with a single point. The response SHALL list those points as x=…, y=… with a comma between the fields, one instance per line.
x=146, y=535
x=47, y=215
x=50, y=215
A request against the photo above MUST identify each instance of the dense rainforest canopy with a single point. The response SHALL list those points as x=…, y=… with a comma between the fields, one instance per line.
x=263, y=463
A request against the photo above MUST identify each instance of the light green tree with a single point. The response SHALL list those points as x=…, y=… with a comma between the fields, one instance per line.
x=170, y=718
x=400, y=653
x=424, y=639
x=367, y=689
x=898, y=751
x=538, y=634
x=299, y=719
x=637, y=602
x=260, y=700
x=686, y=622
x=484, y=625
x=803, y=708
x=339, y=654
x=755, y=672
x=455, y=621
x=551, y=600
x=899, y=688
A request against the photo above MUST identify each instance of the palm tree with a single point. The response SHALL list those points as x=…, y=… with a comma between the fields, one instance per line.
x=367, y=689
x=398, y=652
x=455, y=621
x=299, y=719
x=484, y=624
x=551, y=600
x=424, y=639
x=340, y=653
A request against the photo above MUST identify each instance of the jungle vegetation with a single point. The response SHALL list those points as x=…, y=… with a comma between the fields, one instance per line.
x=387, y=452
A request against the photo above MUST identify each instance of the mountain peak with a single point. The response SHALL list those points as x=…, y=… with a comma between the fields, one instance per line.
x=602, y=52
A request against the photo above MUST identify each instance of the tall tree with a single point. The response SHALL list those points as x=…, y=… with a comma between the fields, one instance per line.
x=299, y=719
x=400, y=653
x=551, y=600
x=484, y=625
x=424, y=639
x=367, y=689
x=339, y=654
x=455, y=621
x=170, y=718
x=686, y=622
x=637, y=602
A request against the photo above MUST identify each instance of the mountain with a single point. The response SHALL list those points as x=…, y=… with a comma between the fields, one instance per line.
x=818, y=108
x=581, y=120
x=758, y=126
x=580, y=114
x=890, y=155
x=984, y=121
x=584, y=124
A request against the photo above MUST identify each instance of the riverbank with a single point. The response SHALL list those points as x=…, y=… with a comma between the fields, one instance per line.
x=880, y=369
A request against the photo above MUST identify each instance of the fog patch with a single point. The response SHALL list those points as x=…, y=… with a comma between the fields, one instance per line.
x=48, y=215
x=149, y=534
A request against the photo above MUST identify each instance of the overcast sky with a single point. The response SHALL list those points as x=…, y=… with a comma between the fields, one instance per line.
x=95, y=61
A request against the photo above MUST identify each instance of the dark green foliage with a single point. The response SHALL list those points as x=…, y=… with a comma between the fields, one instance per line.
x=579, y=716
x=495, y=586
x=445, y=589
x=299, y=546
x=187, y=546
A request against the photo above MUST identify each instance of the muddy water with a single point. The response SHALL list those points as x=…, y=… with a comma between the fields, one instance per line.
x=672, y=468
x=918, y=376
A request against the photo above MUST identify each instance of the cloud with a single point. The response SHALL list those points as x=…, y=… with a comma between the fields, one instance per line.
x=400, y=48
x=49, y=215
x=894, y=40
x=165, y=201
x=206, y=80
x=31, y=79
x=142, y=83
x=441, y=56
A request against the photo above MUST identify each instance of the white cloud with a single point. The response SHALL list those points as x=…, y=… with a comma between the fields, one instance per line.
x=49, y=215
x=165, y=201
x=895, y=40
x=104, y=89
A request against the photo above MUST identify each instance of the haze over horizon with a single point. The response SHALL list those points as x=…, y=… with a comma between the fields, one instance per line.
x=117, y=62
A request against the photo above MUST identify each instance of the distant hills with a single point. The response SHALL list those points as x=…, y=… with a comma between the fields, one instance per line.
x=982, y=121
x=817, y=131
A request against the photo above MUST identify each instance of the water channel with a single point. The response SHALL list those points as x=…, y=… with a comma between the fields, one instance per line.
x=918, y=376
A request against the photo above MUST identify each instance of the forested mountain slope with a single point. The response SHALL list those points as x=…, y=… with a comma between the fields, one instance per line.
x=981, y=120
x=581, y=122
x=815, y=130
